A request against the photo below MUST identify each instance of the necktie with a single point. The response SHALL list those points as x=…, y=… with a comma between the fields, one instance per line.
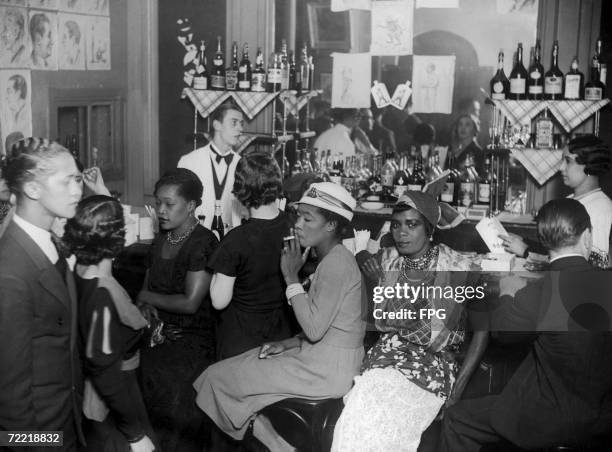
x=61, y=264
x=227, y=157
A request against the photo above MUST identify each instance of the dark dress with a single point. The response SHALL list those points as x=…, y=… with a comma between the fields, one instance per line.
x=106, y=346
x=168, y=370
x=258, y=311
x=473, y=150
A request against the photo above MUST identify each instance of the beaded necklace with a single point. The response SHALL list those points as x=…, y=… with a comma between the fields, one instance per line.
x=421, y=263
x=175, y=240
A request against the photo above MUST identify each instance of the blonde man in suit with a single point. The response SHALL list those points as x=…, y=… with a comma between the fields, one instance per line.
x=40, y=377
x=215, y=165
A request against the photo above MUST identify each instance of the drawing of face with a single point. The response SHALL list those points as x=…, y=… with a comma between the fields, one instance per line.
x=71, y=38
x=42, y=36
x=16, y=93
x=12, y=29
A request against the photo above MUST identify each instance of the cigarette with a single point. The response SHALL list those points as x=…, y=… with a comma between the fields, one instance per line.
x=290, y=237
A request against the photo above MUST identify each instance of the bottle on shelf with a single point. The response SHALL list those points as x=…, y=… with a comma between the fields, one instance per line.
x=303, y=71
x=231, y=73
x=387, y=174
x=305, y=161
x=311, y=69
x=297, y=165
x=500, y=85
x=335, y=174
x=293, y=81
x=595, y=89
x=518, y=77
x=416, y=180
x=284, y=65
x=217, y=76
x=258, y=76
x=603, y=66
x=485, y=183
x=544, y=131
x=467, y=185
x=200, y=79
x=400, y=180
x=274, y=74
x=448, y=194
x=217, y=226
x=535, y=84
x=574, y=82
x=244, y=70
x=553, y=79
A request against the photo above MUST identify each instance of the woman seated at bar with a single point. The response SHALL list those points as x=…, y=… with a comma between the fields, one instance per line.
x=111, y=327
x=322, y=360
x=247, y=285
x=411, y=373
x=175, y=291
x=464, y=143
x=585, y=159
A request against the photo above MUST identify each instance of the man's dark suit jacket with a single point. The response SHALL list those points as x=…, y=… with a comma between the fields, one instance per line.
x=562, y=391
x=40, y=376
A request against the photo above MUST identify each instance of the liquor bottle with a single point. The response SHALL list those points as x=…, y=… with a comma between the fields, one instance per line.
x=306, y=164
x=553, y=79
x=448, y=194
x=304, y=71
x=518, y=77
x=258, y=77
x=311, y=68
x=274, y=73
x=387, y=174
x=400, y=181
x=574, y=82
x=297, y=165
x=200, y=80
x=467, y=185
x=535, y=88
x=293, y=84
x=284, y=65
x=244, y=70
x=217, y=77
x=231, y=73
x=544, y=131
x=416, y=180
x=603, y=66
x=594, y=89
x=500, y=85
x=217, y=227
x=485, y=183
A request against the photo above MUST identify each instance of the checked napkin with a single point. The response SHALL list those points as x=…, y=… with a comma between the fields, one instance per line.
x=542, y=164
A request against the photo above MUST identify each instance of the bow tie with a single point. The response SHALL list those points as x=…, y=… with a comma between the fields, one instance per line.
x=227, y=157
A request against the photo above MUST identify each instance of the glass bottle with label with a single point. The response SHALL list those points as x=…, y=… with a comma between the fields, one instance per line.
x=594, y=89
x=274, y=73
x=500, y=85
x=400, y=181
x=303, y=70
x=544, y=131
x=485, y=183
x=518, y=77
x=450, y=190
x=387, y=174
x=311, y=69
x=217, y=227
x=200, y=80
x=244, y=70
x=535, y=89
x=284, y=65
x=602, y=64
x=217, y=77
x=553, y=79
x=574, y=82
x=258, y=77
x=467, y=185
x=293, y=81
x=231, y=73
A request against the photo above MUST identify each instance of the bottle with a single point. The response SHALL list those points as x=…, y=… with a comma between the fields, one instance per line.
x=467, y=185
x=603, y=67
x=258, y=77
x=217, y=227
x=274, y=73
x=574, y=82
x=448, y=194
x=485, y=183
x=311, y=69
x=544, y=131
x=518, y=77
x=244, y=70
x=387, y=174
x=306, y=164
x=535, y=85
x=304, y=71
x=231, y=73
x=416, y=180
x=500, y=85
x=594, y=89
x=217, y=77
x=553, y=79
x=293, y=85
x=400, y=181
x=284, y=66
x=200, y=79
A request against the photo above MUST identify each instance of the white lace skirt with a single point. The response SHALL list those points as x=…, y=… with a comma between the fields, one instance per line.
x=383, y=412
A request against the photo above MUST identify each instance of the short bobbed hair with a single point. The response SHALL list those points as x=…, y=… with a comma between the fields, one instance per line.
x=591, y=152
x=28, y=159
x=97, y=231
x=257, y=180
x=343, y=225
x=220, y=112
x=561, y=222
x=189, y=186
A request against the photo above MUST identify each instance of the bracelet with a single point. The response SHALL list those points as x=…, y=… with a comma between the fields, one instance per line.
x=293, y=290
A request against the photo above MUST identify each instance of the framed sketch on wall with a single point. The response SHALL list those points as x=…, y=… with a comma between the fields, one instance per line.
x=13, y=2
x=72, y=41
x=13, y=37
x=15, y=103
x=328, y=30
x=98, y=44
x=44, y=4
x=433, y=81
x=43, y=36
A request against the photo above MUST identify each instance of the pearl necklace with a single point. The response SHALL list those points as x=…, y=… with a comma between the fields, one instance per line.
x=175, y=240
x=420, y=263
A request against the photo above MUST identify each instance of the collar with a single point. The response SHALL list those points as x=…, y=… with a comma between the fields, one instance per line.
x=563, y=256
x=40, y=236
x=584, y=195
x=343, y=128
x=227, y=157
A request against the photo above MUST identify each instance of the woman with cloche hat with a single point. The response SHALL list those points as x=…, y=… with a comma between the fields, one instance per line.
x=322, y=360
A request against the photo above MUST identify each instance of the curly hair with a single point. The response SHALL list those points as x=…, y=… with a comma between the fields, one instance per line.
x=257, y=180
x=96, y=232
x=28, y=159
x=187, y=182
x=591, y=152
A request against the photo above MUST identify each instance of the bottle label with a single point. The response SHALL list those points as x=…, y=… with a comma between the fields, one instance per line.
x=447, y=192
x=466, y=193
x=484, y=192
x=553, y=85
x=536, y=89
x=498, y=96
x=517, y=85
x=593, y=93
x=535, y=75
x=274, y=75
x=258, y=82
x=284, y=78
x=244, y=84
x=603, y=72
x=218, y=62
x=217, y=81
x=242, y=69
x=572, y=86
x=415, y=187
x=398, y=190
x=200, y=82
x=231, y=80
x=386, y=180
x=544, y=133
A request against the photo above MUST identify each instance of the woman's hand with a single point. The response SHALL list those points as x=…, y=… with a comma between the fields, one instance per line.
x=370, y=266
x=514, y=244
x=148, y=312
x=143, y=445
x=94, y=181
x=292, y=260
x=271, y=349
